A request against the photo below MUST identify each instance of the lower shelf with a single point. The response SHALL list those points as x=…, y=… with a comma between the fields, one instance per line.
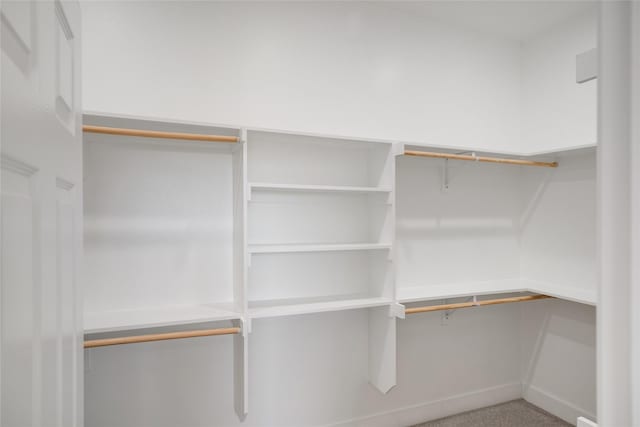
x=123, y=320
x=307, y=306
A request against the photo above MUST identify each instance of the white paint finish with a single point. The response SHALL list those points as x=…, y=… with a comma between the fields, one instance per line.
x=559, y=357
x=427, y=292
x=307, y=275
x=317, y=218
x=467, y=234
x=382, y=349
x=583, y=422
x=122, y=320
x=568, y=293
x=292, y=307
x=587, y=66
x=320, y=363
x=168, y=206
x=496, y=229
x=241, y=372
x=186, y=382
x=407, y=294
x=556, y=111
x=64, y=47
x=315, y=251
x=42, y=382
x=319, y=188
x=635, y=189
x=617, y=192
x=241, y=256
x=518, y=20
x=284, y=158
x=18, y=15
x=282, y=69
x=67, y=307
x=557, y=224
x=19, y=293
x=436, y=409
x=290, y=248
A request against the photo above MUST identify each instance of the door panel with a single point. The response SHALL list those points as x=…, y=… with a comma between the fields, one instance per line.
x=18, y=320
x=41, y=310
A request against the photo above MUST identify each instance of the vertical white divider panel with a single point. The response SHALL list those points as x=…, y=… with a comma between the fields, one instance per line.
x=240, y=276
x=240, y=255
x=241, y=368
x=382, y=348
x=382, y=320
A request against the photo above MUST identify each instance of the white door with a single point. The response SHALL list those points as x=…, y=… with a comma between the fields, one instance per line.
x=41, y=215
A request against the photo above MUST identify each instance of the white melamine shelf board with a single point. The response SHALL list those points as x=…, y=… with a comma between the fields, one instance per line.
x=157, y=124
x=329, y=247
x=319, y=137
x=281, y=308
x=455, y=290
x=526, y=155
x=122, y=320
x=569, y=293
x=408, y=294
x=257, y=186
x=101, y=118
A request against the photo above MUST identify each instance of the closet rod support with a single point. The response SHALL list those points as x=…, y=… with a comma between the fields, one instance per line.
x=160, y=337
x=475, y=303
x=159, y=134
x=475, y=158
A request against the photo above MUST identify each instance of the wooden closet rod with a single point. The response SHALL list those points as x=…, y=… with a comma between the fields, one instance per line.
x=160, y=337
x=158, y=134
x=480, y=158
x=428, y=308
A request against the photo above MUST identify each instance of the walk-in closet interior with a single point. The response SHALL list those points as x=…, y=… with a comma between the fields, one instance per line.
x=350, y=213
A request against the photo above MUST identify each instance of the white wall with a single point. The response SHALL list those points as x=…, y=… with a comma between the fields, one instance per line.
x=558, y=112
x=559, y=358
x=310, y=370
x=359, y=69
x=557, y=225
x=352, y=69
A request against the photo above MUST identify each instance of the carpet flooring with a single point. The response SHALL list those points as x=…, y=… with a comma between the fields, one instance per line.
x=517, y=413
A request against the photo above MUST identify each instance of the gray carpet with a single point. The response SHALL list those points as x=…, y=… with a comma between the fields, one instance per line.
x=517, y=413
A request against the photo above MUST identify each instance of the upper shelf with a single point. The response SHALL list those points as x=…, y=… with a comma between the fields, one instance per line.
x=123, y=320
x=168, y=124
x=407, y=294
x=262, y=186
x=100, y=126
x=329, y=247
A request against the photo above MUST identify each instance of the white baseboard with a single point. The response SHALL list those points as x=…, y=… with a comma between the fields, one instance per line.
x=422, y=412
x=583, y=422
x=554, y=405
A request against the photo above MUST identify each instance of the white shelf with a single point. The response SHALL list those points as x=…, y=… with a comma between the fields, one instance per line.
x=281, y=308
x=456, y=290
x=569, y=293
x=258, y=186
x=122, y=320
x=330, y=247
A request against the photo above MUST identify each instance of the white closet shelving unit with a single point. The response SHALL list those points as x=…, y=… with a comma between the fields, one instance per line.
x=164, y=236
x=320, y=223
x=280, y=224
x=485, y=228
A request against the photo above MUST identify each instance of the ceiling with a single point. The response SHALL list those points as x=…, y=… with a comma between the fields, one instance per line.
x=515, y=19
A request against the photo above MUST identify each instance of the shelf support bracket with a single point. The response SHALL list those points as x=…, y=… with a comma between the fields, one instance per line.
x=398, y=149
x=245, y=326
x=396, y=310
x=445, y=176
